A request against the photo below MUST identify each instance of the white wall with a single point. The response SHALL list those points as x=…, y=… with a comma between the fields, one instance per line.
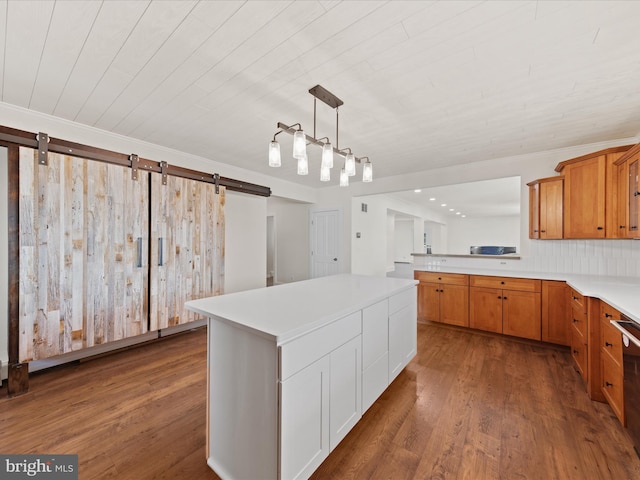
x=245, y=255
x=4, y=264
x=465, y=232
x=292, y=239
x=405, y=242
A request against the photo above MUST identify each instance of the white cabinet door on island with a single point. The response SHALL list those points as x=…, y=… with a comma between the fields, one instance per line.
x=292, y=368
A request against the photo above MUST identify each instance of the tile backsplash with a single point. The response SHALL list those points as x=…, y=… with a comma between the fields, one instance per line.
x=589, y=257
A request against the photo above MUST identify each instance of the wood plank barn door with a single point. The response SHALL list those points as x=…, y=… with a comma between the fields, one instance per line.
x=83, y=254
x=187, y=247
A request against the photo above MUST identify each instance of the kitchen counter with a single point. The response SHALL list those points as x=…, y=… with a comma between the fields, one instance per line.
x=622, y=293
x=284, y=312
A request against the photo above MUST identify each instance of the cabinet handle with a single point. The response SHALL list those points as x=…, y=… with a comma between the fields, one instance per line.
x=499, y=296
x=543, y=231
x=575, y=351
x=607, y=315
x=575, y=320
x=607, y=344
x=535, y=231
x=608, y=384
x=139, y=252
x=160, y=252
x=501, y=283
x=439, y=278
x=600, y=228
x=635, y=194
x=504, y=298
x=621, y=226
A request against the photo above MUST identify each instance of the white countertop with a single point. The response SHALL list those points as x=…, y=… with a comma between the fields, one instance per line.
x=286, y=311
x=622, y=293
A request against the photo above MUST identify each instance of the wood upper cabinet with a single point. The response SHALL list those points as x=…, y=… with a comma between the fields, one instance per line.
x=591, y=197
x=633, y=198
x=505, y=305
x=545, y=208
x=443, y=297
x=556, y=319
x=584, y=198
x=626, y=170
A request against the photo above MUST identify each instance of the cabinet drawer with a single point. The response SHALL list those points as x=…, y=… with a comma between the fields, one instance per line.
x=612, y=385
x=578, y=301
x=579, y=321
x=303, y=351
x=506, y=283
x=611, y=341
x=446, y=278
x=402, y=299
x=607, y=312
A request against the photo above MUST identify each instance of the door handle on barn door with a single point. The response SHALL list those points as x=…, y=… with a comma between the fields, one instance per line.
x=139, y=259
x=335, y=259
x=160, y=252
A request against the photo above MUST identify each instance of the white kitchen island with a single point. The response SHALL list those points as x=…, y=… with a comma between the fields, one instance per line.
x=292, y=368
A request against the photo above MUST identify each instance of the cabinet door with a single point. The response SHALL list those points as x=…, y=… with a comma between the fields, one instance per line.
x=485, y=309
x=634, y=199
x=622, y=196
x=612, y=385
x=187, y=247
x=556, y=318
x=521, y=314
x=375, y=352
x=304, y=417
x=584, y=199
x=83, y=264
x=579, y=352
x=429, y=300
x=454, y=305
x=551, y=209
x=402, y=339
x=534, y=211
x=345, y=391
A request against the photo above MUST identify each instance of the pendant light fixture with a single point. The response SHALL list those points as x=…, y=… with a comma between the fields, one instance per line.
x=301, y=140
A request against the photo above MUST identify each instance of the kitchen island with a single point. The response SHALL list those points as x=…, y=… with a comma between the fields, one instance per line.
x=292, y=368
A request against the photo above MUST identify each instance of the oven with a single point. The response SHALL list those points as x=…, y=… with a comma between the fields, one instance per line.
x=631, y=364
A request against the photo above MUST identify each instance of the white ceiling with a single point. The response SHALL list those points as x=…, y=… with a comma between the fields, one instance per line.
x=425, y=84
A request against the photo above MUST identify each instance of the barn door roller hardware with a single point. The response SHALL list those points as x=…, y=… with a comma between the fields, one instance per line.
x=43, y=148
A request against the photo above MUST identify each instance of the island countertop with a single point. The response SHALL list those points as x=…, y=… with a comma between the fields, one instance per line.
x=284, y=312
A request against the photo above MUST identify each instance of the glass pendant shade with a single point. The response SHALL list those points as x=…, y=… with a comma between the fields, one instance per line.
x=344, y=178
x=299, y=144
x=350, y=164
x=274, y=154
x=327, y=154
x=367, y=172
x=303, y=165
x=325, y=174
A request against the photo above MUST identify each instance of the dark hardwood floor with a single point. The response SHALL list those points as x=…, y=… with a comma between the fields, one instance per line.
x=469, y=406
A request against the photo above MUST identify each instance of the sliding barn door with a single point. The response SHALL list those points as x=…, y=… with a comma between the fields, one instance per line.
x=187, y=247
x=83, y=254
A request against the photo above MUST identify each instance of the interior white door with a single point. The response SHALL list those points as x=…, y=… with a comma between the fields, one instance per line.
x=325, y=243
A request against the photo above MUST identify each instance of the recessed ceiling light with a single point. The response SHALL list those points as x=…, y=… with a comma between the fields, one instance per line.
x=463, y=216
x=432, y=199
x=457, y=213
x=443, y=204
x=451, y=209
x=417, y=190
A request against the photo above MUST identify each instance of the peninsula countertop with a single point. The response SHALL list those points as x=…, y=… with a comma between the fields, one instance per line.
x=622, y=293
x=283, y=312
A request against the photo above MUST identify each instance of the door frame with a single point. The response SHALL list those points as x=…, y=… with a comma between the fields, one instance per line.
x=340, y=237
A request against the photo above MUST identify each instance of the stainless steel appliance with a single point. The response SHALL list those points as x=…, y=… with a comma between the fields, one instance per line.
x=631, y=364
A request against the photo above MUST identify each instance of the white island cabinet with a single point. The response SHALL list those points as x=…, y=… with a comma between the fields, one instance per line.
x=292, y=368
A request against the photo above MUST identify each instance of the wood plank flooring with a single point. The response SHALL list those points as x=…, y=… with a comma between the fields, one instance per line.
x=469, y=406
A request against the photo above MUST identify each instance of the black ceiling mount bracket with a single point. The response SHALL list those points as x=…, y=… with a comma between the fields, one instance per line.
x=326, y=96
x=134, y=166
x=43, y=148
x=216, y=181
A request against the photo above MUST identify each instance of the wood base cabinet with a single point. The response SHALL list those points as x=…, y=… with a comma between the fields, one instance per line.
x=556, y=318
x=505, y=305
x=612, y=371
x=443, y=297
x=579, y=332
